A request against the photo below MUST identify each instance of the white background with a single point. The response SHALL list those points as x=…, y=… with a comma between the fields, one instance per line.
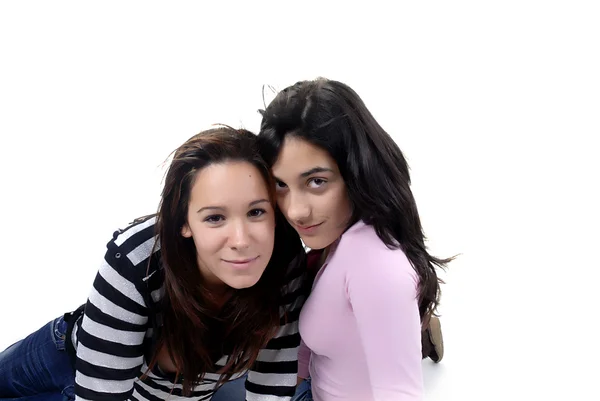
x=496, y=105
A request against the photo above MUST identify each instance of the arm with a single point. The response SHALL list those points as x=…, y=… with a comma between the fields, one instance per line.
x=303, y=361
x=384, y=301
x=273, y=376
x=110, y=339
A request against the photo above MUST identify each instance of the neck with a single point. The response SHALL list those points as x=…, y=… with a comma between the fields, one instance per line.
x=324, y=255
x=329, y=250
x=216, y=297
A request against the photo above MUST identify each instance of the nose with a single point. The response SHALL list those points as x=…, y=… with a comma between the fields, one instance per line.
x=296, y=208
x=240, y=235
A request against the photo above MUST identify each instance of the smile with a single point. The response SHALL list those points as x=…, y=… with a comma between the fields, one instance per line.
x=240, y=263
x=308, y=229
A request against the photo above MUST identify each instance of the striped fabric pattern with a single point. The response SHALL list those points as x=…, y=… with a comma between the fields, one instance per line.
x=115, y=331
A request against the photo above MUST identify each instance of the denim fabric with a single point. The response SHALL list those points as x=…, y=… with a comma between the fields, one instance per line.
x=303, y=391
x=38, y=368
x=234, y=390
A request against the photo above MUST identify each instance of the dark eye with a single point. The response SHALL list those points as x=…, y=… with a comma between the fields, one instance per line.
x=316, y=182
x=279, y=185
x=214, y=218
x=256, y=212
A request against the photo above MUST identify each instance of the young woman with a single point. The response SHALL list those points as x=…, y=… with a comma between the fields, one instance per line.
x=203, y=292
x=344, y=185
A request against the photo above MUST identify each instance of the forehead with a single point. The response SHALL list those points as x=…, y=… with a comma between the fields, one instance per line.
x=297, y=155
x=229, y=182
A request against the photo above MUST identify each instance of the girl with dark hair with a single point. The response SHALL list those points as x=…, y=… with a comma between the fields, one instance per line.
x=206, y=291
x=344, y=185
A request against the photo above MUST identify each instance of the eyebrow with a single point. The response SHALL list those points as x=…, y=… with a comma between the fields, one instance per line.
x=315, y=170
x=312, y=171
x=253, y=203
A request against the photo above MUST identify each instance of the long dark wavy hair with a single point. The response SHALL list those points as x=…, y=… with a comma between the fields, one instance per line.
x=331, y=115
x=195, y=334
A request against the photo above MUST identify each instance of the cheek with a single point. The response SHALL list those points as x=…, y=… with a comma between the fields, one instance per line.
x=264, y=233
x=282, y=203
x=338, y=206
x=326, y=205
x=208, y=242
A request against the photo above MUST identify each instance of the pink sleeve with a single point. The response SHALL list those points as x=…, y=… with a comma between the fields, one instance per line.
x=384, y=300
x=303, y=360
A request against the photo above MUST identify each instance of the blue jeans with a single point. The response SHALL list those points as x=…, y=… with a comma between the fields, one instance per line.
x=234, y=390
x=38, y=368
x=303, y=391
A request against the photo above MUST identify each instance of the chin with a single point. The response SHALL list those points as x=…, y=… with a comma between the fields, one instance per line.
x=240, y=283
x=316, y=243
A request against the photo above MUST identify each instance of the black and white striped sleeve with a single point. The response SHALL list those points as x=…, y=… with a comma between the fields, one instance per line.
x=274, y=374
x=111, y=336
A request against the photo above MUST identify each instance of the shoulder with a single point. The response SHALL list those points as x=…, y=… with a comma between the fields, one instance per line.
x=131, y=248
x=361, y=251
x=361, y=242
x=137, y=233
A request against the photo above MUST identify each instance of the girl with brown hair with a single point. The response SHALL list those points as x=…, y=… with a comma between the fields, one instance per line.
x=205, y=291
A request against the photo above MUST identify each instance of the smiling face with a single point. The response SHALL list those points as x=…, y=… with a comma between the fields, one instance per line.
x=311, y=192
x=232, y=224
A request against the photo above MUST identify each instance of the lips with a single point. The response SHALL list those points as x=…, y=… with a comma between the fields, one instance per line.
x=308, y=227
x=240, y=261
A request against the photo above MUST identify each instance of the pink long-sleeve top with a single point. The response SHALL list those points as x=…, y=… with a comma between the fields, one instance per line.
x=360, y=326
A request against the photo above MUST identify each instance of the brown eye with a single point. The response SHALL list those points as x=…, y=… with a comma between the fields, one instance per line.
x=214, y=218
x=256, y=212
x=280, y=186
x=316, y=183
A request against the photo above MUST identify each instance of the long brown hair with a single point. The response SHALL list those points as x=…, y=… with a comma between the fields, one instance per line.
x=331, y=115
x=196, y=335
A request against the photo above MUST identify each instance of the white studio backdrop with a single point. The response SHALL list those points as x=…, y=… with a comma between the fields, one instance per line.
x=495, y=104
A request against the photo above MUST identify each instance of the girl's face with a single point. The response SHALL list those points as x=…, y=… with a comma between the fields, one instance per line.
x=232, y=223
x=311, y=192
